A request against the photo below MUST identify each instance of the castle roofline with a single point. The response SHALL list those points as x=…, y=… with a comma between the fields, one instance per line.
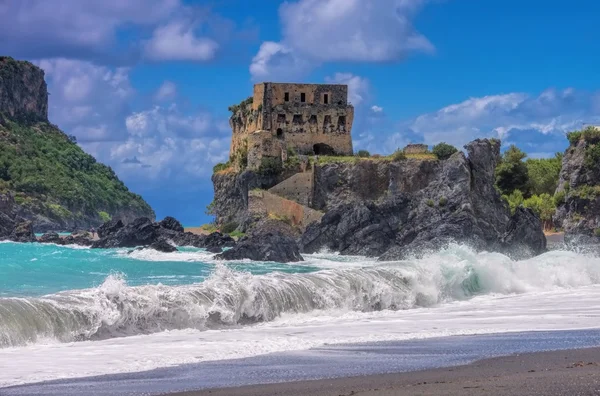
x=299, y=83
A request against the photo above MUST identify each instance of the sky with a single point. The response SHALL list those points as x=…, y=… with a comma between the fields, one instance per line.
x=145, y=85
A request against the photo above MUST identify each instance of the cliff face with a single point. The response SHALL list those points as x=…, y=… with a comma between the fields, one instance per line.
x=23, y=91
x=428, y=205
x=45, y=177
x=578, y=192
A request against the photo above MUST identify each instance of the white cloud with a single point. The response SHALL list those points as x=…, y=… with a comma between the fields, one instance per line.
x=167, y=91
x=87, y=100
x=277, y=62
x=537, y=124
x=358, y=87
x=376, y=109
x=178, y=41
x=352, y=30
x=320, y=31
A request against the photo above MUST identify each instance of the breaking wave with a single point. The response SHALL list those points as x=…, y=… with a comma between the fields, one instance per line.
x=231, y=298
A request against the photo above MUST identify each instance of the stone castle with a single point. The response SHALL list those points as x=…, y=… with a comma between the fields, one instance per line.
x=308, y=119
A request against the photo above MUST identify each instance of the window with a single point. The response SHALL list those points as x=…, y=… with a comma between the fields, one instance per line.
x=302, y=97
x=297, y=120
x=341, y=124
x=326, y=98
x=287, y=96
x=279, y=133
x=280, y=118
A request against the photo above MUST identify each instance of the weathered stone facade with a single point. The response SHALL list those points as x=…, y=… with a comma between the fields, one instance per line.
x=415, y=149
x=306, y=118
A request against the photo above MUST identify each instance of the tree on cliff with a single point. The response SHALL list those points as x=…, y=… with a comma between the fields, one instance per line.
x=444, y=150
x=543, y=174
x=512, y=173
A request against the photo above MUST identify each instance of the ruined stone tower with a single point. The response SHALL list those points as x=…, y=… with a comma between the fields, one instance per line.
x=305, y=118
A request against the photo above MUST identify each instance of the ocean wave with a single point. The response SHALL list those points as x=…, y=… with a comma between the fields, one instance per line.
x=231, y=298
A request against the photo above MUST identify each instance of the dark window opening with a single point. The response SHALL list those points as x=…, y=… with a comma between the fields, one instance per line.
x=280, y=118
x=286, y=96
x=297, y=120
x=326, y=98
x=312, y=120
x=341, y=126
x=279, y=133
x=302, y=97
x=340, y=102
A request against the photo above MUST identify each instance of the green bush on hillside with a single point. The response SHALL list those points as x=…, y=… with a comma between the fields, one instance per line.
x=444, y=150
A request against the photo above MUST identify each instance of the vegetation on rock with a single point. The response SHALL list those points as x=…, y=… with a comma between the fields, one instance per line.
x=49, y=174
x=443, y=150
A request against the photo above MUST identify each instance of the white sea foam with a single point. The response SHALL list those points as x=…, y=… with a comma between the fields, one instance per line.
x=234, y=314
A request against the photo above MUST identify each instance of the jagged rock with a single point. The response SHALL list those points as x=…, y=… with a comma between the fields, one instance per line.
x=268, y=241
x=214, y=249
x=140, y=232
x=416, y=250
x=578, y=213
x=163, y=246
x=79, y=237
x=216, y=239
x=51, y=237
x=23, y=91
x=171, y=223
x=454, y=200
x=23, y=232
x=524, y=236
x=110, y=227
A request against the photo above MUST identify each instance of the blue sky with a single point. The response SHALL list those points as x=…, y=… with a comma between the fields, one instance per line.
x=145, y=84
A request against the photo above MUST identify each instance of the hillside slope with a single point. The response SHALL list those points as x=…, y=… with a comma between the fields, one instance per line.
x=53, y=181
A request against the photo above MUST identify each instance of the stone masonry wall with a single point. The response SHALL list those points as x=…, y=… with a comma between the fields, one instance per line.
x=298, y=188
x=264, y=203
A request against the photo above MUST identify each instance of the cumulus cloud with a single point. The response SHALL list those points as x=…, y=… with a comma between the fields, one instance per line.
x=376, y=109
x=319, y=31
x=358, y=87
x=167, y=91
x=88, y=100
x=536, y=123
x=277, y=62
x=178, y=41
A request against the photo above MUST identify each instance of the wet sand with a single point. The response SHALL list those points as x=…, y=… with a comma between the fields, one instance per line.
x=569, y=372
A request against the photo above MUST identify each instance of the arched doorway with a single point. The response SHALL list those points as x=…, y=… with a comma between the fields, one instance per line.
x=279, y=133
x=323, y=149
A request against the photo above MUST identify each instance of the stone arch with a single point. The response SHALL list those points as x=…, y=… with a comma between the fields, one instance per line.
x=323, y=149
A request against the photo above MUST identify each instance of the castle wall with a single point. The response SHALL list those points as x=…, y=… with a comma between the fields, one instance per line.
x=264, y=203
x=297, y=188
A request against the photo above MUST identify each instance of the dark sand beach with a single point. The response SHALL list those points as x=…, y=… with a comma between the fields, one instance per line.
x=569, y=372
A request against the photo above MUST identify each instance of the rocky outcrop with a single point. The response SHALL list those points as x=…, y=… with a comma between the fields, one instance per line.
x=578, y=194
x=524, y=236
x=140, y=232
x=269, y=240
x=23, y=232
x=171, y=223
x=80, y=237
x=51, y=237
x=110, y=227
x=162, y=246
x=434, y=203
x=23, y=91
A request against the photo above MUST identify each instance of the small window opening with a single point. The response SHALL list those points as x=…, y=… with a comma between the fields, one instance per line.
x=341, y=123
x=302, y=97
x=279, y=133
x=326, y=98
x=280, y=118
x=297, y=120
x=286, y=96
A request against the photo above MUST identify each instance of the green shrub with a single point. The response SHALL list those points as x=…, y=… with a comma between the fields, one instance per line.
x=104, y=216
x=398, y=155
x=237, y=234
x=514, y=200
x=228, y=228
x=269, y=166
x=430, y=203
x=559, y=198
x=363, y=154
x=221, y=167
x=590, y=134
x=443, y=201
x=592, y=155
x=597, y=232
x=443, y=150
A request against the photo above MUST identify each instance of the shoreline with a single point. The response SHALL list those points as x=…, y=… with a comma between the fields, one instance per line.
x=563, y=372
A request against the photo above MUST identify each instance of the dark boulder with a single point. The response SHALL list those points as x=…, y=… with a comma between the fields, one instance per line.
x=184, y=238
x=7, y=225
x=214, y=249
x=23, y=232
x=81, y=238
x=110, y=227
x=415, y=250
x=216, y=239
x=162, y=246
x=51, y=237
x=140, y=232
x=171, y=223
x=524, y=236
x=268, y=241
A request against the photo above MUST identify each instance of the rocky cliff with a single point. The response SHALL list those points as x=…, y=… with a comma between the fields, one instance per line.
x=45, y=177
x=23, y=91
x=578, y=192
x=427, y=205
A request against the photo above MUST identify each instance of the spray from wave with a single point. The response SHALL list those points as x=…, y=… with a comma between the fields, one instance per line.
x=230, y=298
